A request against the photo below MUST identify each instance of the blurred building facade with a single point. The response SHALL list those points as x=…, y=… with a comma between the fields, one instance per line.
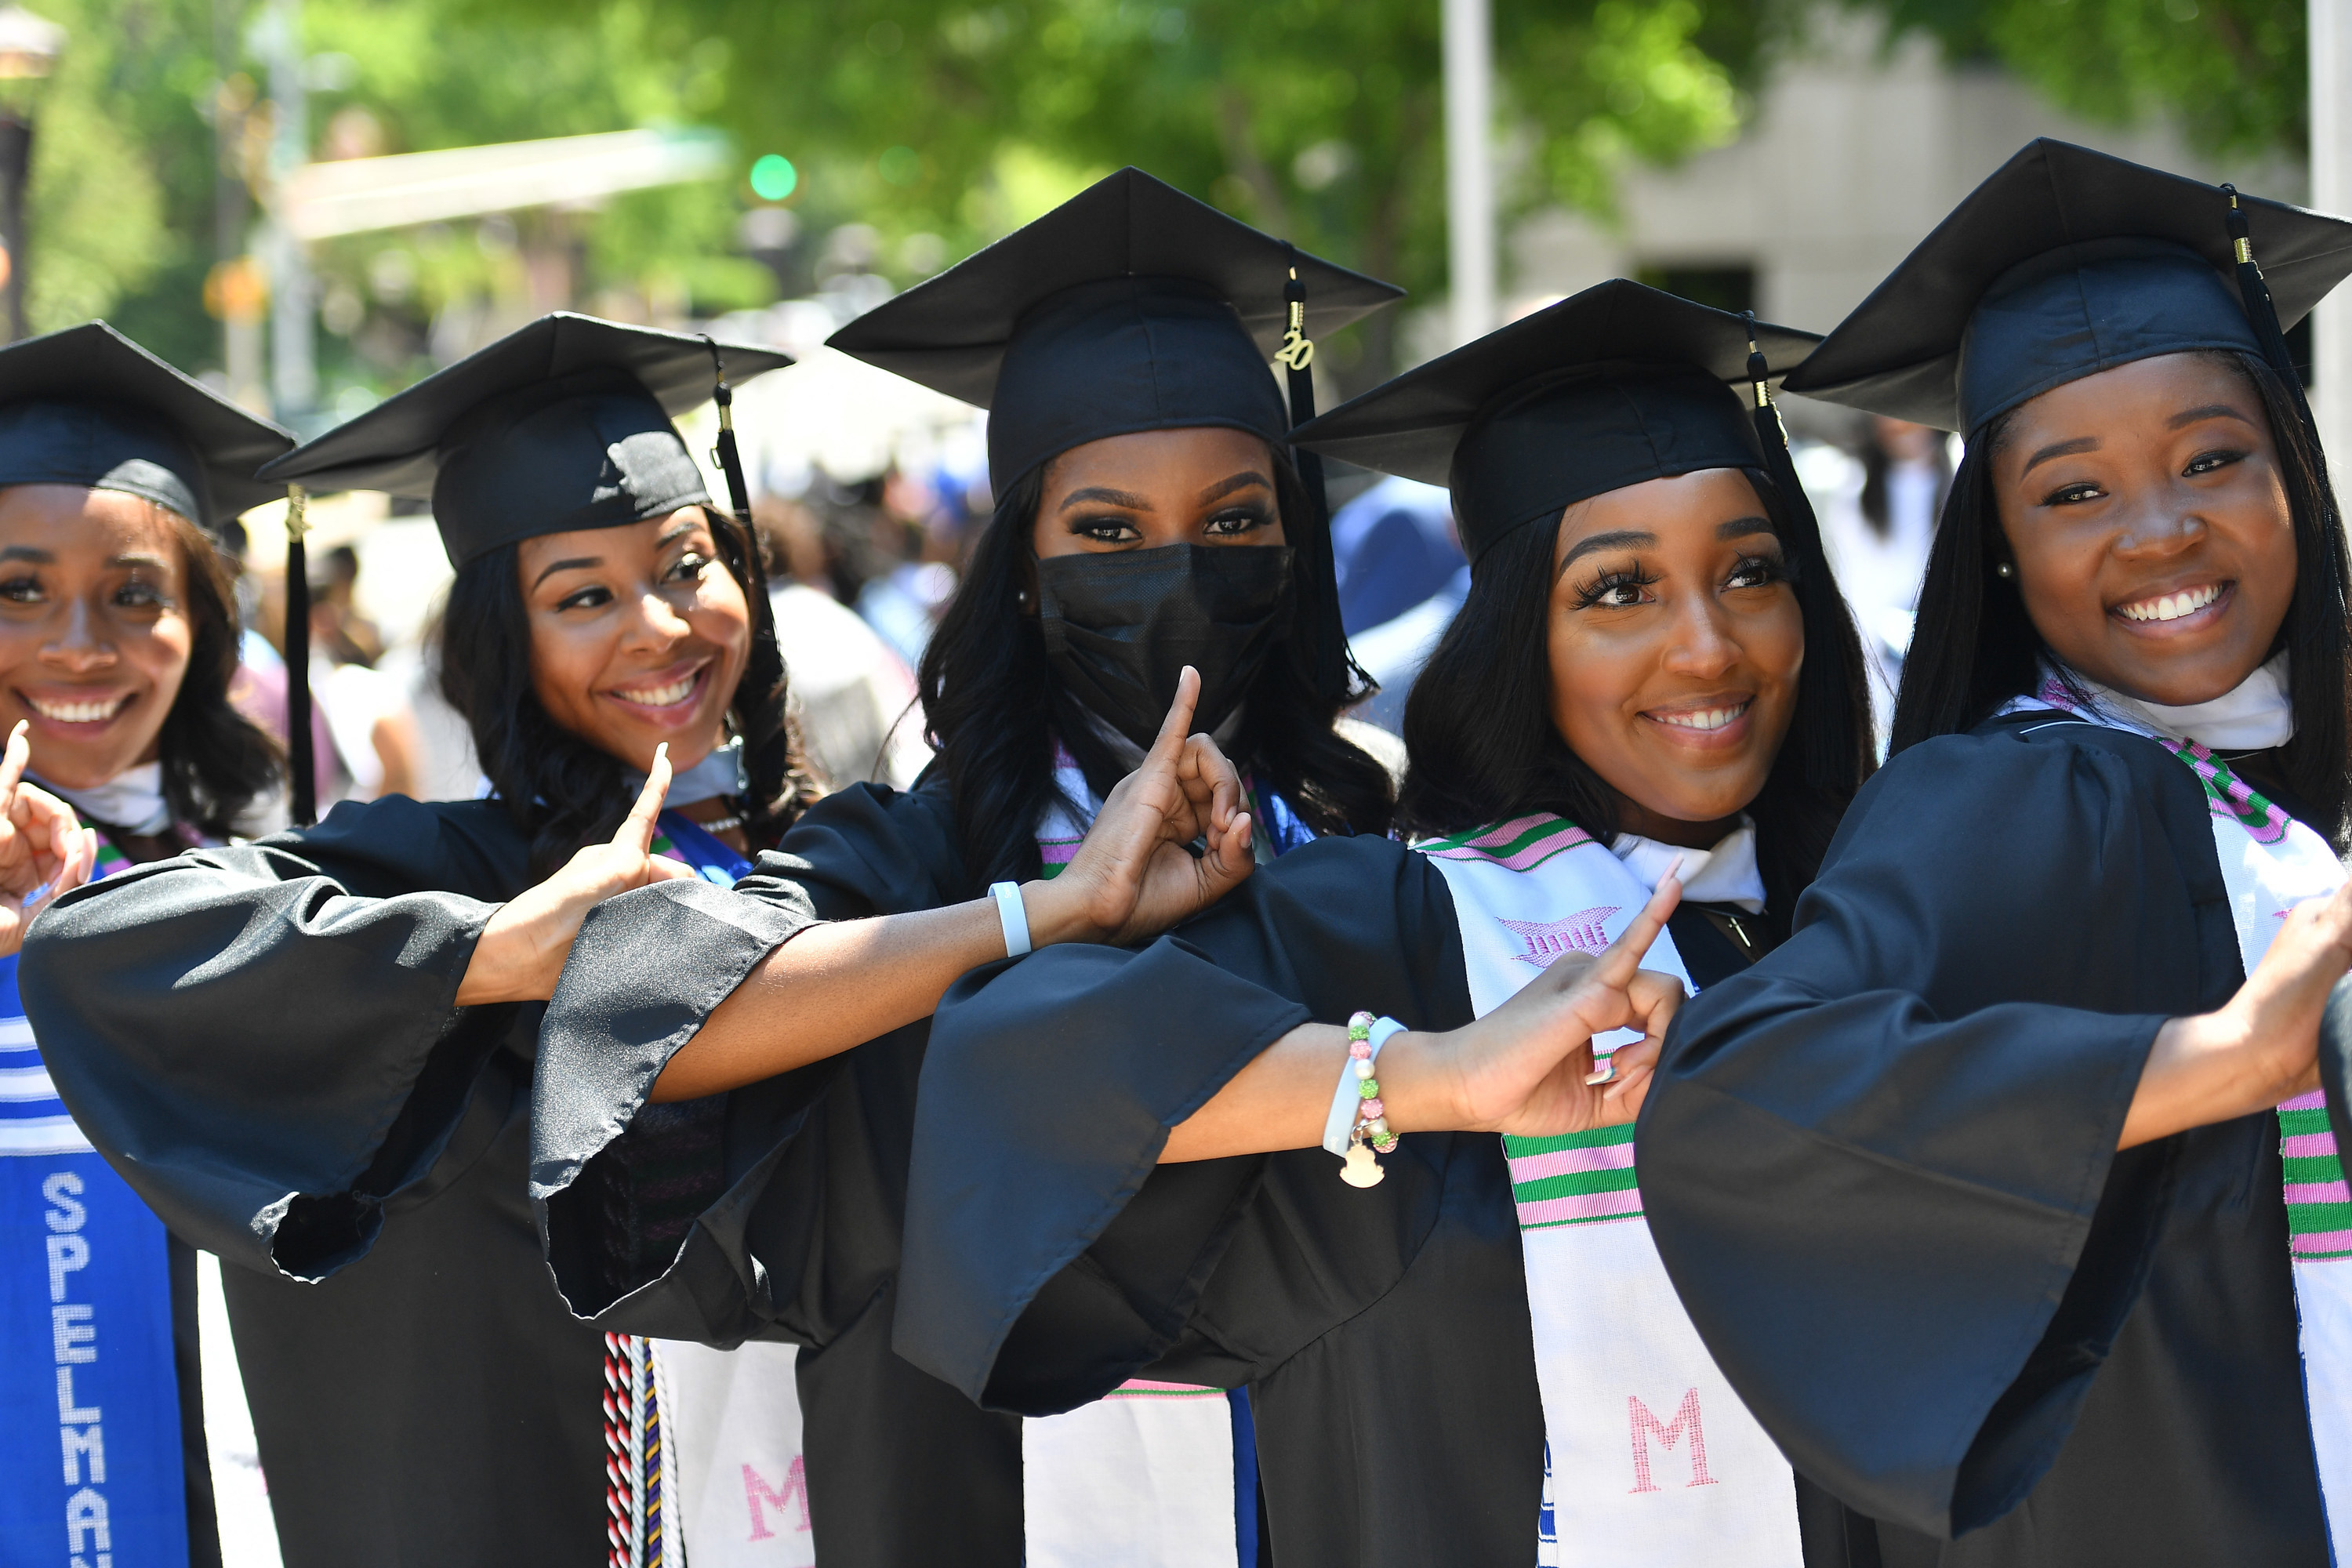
x=1854, y=151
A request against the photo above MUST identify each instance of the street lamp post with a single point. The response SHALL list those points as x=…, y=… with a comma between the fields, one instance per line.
x=29, y=46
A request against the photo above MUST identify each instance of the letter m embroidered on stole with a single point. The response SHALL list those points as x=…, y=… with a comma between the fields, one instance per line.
x=1646, y=1426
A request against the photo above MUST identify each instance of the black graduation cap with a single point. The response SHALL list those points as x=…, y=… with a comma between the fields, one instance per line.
x=1608, y=388
x=88, y=406
x=561, y=426
x=2066, y=262
x=564, y=425
x=1130, y=307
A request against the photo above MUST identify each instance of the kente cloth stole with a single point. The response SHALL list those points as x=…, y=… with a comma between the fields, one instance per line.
x=1153, y=1475
x=2271, y=863
x=85, y=1307
x=1650, y=1457
x=702, y=1443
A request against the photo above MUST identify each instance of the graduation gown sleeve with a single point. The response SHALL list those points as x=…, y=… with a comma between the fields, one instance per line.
x=706, y=1220
x=1881, y=1165
x=264, y=1038
x=772, y=1212
x=1049, y=1256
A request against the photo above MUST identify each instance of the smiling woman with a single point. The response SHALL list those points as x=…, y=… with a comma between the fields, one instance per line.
x=117, y=642
x=352, y=1066
x=1647, y=715
x=1994, y=1140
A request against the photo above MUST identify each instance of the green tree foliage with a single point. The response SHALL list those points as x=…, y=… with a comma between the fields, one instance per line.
x=2233, y=71
x=1318, y=120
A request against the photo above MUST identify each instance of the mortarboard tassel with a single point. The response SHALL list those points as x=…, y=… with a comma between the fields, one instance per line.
x=2261, y=313
x=1335, y=669
x=1817, y=591
x=768, y=751
x=301, y=766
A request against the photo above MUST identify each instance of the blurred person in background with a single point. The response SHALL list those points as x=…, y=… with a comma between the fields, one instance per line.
x=1401, y=578
x=118, y=647
x=853, y=696
x=904, y=600
x=1151, y=540
x=377, y=749
x=1879, y=523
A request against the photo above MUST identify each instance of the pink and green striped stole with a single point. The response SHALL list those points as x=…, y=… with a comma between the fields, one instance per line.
x=2318, y=1206
x=1579, y=1178
x=1521, y=844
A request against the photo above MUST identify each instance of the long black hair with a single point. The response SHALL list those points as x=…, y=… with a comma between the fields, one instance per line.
x=993, y=709
x=1975, y=647
x=1486, y=749
x=559, y=788
x=216, y=762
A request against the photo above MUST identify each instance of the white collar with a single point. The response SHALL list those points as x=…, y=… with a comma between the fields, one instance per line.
x=1726, y=874
x=131, y=801
x=2251, y=716
x=719, y=774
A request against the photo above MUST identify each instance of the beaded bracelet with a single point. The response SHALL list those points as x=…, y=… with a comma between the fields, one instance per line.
x=1370, y=1132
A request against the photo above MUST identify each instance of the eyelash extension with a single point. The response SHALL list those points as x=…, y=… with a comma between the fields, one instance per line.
x=1775, y=570
x=1623, y=577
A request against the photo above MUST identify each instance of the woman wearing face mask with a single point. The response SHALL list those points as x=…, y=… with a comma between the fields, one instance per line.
x=118, y=642
x=1148, y=518
x=1653, y=667
x=347, y=1014
x=1976, y=1186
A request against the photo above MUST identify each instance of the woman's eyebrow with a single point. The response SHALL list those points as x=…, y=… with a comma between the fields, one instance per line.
x=38, y=557
x=1622, y=539
x=2211, y=410
x=1742, y=528
x=1105, y=494
x=576, y=562
x=2059, y=449
x=673, y=536
x=139, y=558
x=1244, y=481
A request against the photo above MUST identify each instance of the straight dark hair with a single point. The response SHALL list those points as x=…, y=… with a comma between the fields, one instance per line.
x=1975, y=647
x=993, y=709
x=1485, y=748
x=216, y=762
x=562, y=791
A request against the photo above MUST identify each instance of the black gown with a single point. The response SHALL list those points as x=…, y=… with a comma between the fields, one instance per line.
x=1881, y=1169
x=772, y=1212
x=1387, y=1332
x=264, y=1041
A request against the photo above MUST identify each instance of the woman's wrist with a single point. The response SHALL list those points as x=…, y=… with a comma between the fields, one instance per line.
x=2202, y=1068
x=1058, y=912
x=506, y=963
x=1418, y=1087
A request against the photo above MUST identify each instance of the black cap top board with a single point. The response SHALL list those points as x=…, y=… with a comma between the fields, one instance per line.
x=2066, y=262
x=1608, y=387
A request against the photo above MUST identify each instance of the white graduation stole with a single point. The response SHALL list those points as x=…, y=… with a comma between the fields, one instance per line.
x=1142, y=1477
x=1651, y=1458
x=2271, y=863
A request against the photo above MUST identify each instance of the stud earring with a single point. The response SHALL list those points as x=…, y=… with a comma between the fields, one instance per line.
x=1022, y=598
x=2004, y=570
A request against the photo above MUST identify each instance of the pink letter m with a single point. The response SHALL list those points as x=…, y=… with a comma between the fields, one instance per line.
x=756, y=1492
x=1646, y=1426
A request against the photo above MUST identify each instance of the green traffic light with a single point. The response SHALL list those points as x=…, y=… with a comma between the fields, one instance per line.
x=773, y=177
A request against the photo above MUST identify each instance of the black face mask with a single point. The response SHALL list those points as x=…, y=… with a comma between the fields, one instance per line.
x=1120, y=627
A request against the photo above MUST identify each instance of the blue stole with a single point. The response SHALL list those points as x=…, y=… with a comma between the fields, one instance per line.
x=90, y=1406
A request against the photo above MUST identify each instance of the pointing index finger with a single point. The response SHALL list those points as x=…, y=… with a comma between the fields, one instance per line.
x=1179, y=722
x=637, y=832
x=1617, y=966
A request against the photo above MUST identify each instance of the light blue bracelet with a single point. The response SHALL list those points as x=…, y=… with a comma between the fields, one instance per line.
x=1013, y=915
x=1340, y=1125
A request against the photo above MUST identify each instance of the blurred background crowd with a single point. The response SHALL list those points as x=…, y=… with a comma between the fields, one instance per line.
x=311, y=205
